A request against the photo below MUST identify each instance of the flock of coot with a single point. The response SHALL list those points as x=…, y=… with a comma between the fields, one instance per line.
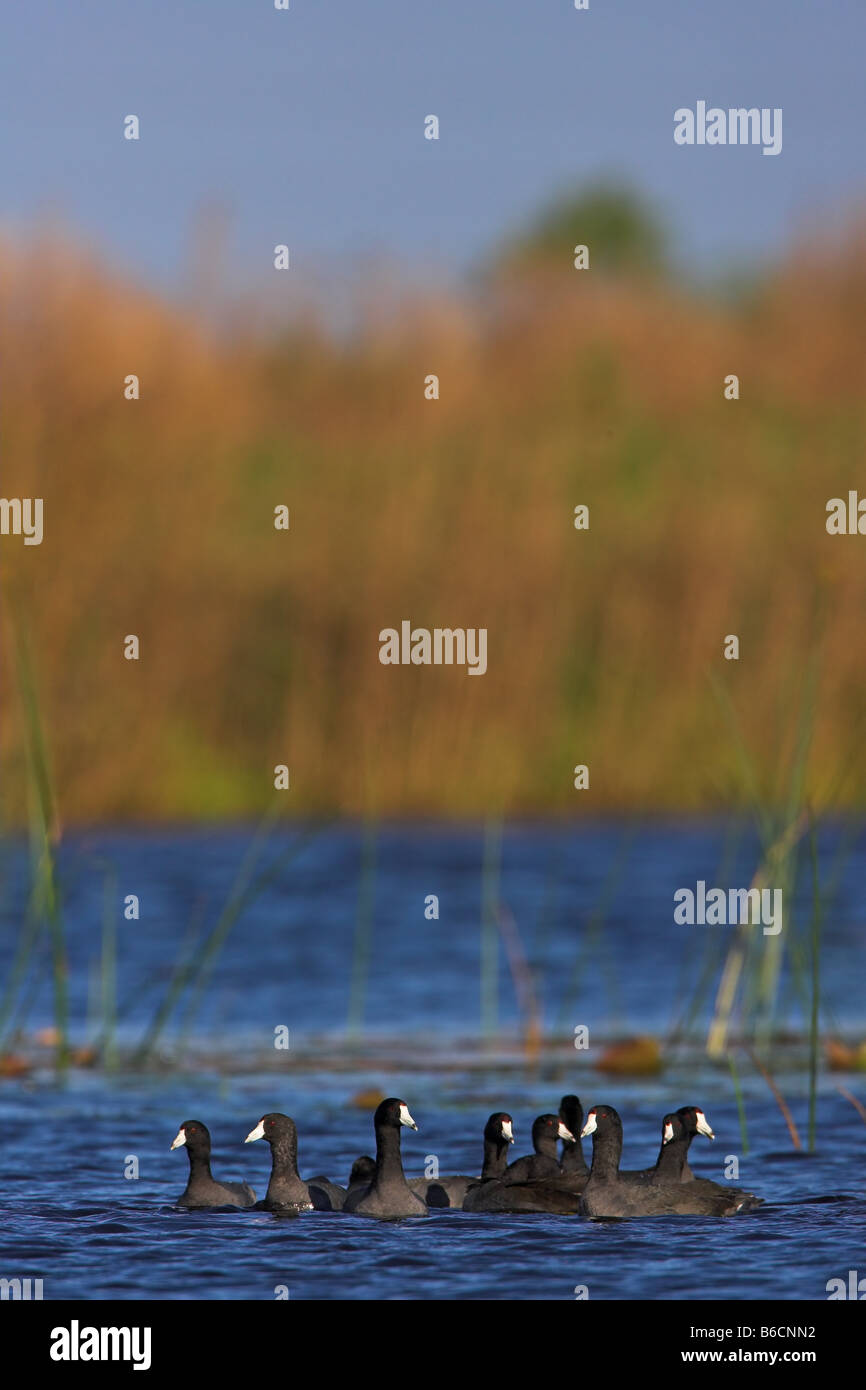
x=543, y=1181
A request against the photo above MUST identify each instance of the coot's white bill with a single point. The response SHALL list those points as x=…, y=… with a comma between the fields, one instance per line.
x=590, y=1126
x=257, y=1133
x=667, y=1133
x=507, y=1132
x=564, y=1133
x=406, y=1118
x=181, y=1139
x=703, y=1125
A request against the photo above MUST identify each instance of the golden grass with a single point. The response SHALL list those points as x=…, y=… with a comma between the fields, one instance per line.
x=259, y=647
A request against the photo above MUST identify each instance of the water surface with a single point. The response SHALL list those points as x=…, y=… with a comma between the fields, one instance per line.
x=595, y=924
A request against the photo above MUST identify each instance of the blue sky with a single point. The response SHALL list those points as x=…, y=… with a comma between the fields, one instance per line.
x=307, y=126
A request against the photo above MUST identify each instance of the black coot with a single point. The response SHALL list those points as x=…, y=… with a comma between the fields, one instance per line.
x=202, y=1189
x=388, y=1196
x=571, y=1114
x=676, y=1137
x=544, y=1163
x=695, y=1122
x=557, y=1195
x=451, y=1191
x=330, y=1196
x=363, y=1171
x=326, y=1195
x=608, y=1194
x=286, y=1191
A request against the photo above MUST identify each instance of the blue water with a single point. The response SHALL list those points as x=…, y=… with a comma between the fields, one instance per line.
x=288, y=959
x=70, y=1217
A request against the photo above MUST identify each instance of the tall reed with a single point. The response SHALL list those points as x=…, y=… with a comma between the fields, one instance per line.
x=44, y=908
x=429, y=510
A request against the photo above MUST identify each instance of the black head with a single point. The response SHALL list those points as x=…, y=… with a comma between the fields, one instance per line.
x=499, y=1128
x=195, y=1136
x=601, y=1120
x=363, y=1170
x=277, y=1129
x=695, y=1121
x=571, y=1114
x=393, y=1113
x=550, y=1127
x=672, y=1128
